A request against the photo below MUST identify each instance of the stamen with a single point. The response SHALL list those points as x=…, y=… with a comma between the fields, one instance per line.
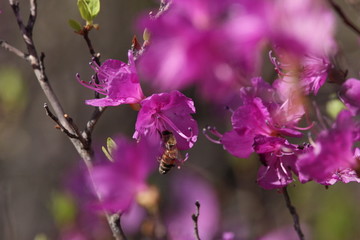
x=305, y=128
x=266, y=172
x=277, y=65
x=177, y=130
x=214, y=132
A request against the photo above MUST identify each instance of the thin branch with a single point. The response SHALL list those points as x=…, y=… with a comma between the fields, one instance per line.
x=90, y=125
x=13, y=49
x=32, y=16
x=95, y=55
x=56, y=120
x=343, y=16
x=98, y=111
x=65, y=123
x=116, y=228
x=293, y=213
x=195, y=218
x=164, y=6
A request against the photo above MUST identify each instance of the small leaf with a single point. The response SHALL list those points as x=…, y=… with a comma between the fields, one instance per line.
x=75, y=25
x=89, y=9
x=107, y=154
x=146, y=35
x=84, y=10
x=110, y=147
x=94, y=6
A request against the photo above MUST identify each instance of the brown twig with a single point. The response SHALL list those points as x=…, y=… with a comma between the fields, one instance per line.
x=343, y=16
x=164, y=6
x=81, y=144
x=195, y=218
x=293, y=213
x=13, y=49
x=56, y=120
x=98, y=111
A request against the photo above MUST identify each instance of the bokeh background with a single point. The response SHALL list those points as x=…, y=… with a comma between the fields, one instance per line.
x=35, y=157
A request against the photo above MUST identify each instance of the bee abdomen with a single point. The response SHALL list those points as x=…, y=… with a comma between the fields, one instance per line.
x=165, y=168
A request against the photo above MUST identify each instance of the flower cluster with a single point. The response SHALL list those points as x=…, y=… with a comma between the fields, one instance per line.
x=218, y=46
x=159, y=112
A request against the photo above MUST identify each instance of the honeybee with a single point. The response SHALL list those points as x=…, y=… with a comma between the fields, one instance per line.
x=171, y=154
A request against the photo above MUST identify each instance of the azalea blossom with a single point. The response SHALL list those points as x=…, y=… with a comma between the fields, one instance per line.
x=214, y=44
x=301, y=27
x=278, y=158
x=262, y=113
x=117, y=183
x=167, y=112
x=217, y=44
x=349, y=94
x=118, y=81
x=331, y=158
x=308, y=72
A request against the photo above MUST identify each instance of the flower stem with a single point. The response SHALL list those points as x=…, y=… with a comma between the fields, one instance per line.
x=293, y=213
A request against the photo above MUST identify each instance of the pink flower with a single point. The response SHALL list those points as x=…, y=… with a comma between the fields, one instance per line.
x=302, y=27
x=278, y=158
x=262, y=113
x=349, y=94
x=118, y=182
x=211, y=43
x=167, y=111
x=117, y=80
x=308, y=72
x=331, y=157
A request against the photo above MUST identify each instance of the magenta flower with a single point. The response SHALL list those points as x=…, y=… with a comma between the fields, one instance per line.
x=278, y=158
x=214, y=44
x=302, y=27
x=118, y=182
x=117, y=80
x=331, y=157
x=349, y=94
x=262, y=113
x=277, y=173
x=167, y=111
x=308, y=72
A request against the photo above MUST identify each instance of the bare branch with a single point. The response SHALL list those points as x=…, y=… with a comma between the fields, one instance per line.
x=343, y=16
x=98, y=111
x=293, y=213
x=90, y=125
x=32, y=16
x=13, y=49
x=56, y=120
x=164, y=6
x=195, y=218
x=65, y=123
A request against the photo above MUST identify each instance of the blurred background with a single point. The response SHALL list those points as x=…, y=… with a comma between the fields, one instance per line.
x=35, y=157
